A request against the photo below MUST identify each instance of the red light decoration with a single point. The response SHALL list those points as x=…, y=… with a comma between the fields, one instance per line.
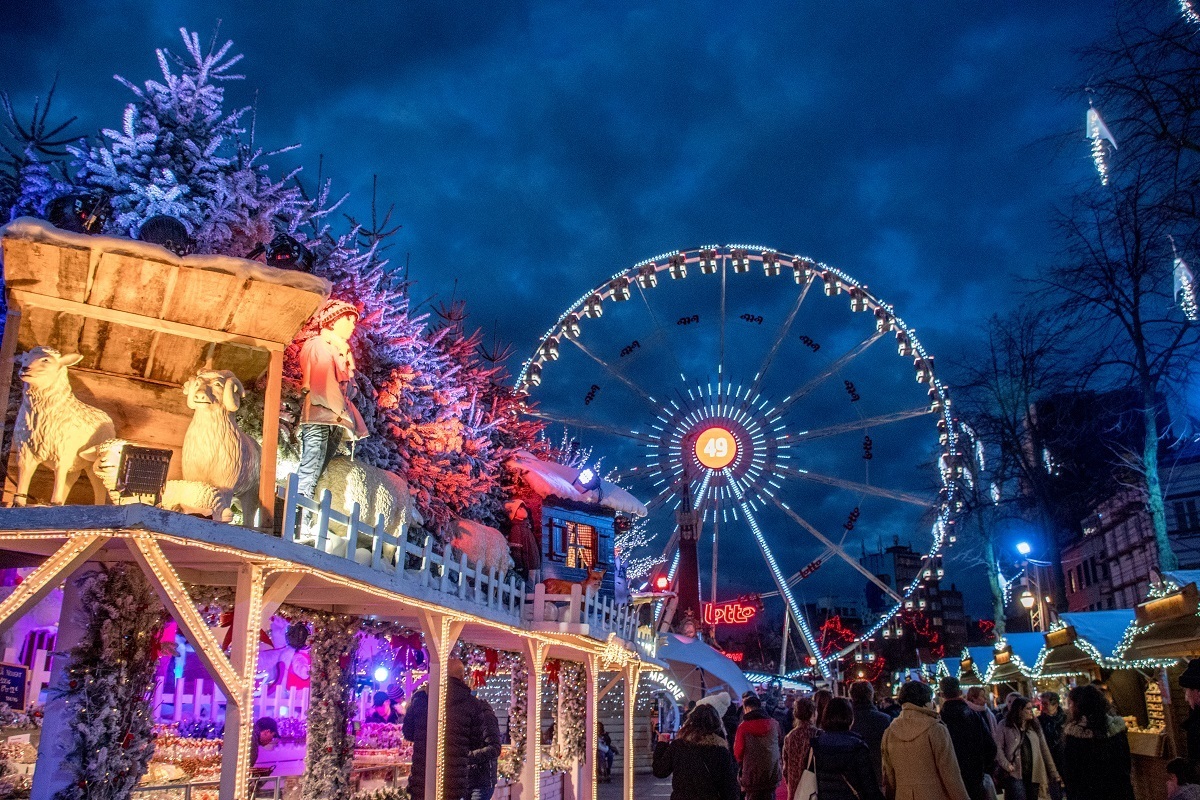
x=735, y=656
x=834, y=636
x=988, y=628
x=662, y=582
x=734, y=612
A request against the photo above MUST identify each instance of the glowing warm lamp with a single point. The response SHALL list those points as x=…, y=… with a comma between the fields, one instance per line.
x=1027, y=599
x=662, y=582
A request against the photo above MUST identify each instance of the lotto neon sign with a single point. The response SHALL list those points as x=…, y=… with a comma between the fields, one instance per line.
x=736, y=612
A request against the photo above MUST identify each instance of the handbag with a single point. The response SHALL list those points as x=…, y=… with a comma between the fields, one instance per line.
x=807, y=789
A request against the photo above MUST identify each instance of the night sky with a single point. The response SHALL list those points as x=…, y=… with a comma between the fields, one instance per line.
x=533, y=149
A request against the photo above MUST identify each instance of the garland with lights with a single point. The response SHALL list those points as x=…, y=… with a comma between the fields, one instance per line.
x=518, y=715
x=572, y=710
x=108, y=681
x=330, y=750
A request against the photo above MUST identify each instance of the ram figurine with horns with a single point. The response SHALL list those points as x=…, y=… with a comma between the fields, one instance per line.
x=328, y=415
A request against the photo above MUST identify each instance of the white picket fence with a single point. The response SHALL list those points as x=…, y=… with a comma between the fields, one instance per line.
x=347, y=534
x=583, y=611
x=200, y=697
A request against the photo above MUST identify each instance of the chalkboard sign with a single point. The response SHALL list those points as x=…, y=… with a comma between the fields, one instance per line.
x=13, y=679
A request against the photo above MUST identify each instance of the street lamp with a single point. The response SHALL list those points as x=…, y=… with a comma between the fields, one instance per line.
x=1024, y=548
x=1027, y=600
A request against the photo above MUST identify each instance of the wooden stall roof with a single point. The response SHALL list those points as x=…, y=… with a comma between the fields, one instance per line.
x=1170, y=626
x=138, y=310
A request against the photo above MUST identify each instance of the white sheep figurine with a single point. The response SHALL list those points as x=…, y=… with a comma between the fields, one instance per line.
x=482, y=545
x=56, y=428
x=376, y=491
x=215, y=451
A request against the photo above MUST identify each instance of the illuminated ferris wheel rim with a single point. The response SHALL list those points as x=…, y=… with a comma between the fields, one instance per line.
x=806, y=272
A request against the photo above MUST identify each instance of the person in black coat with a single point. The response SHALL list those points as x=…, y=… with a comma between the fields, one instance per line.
x=698, y=761
x=485, y=759
x=1189, y=681
x=843, y=760
x=974, y=746
x=469, y=736
x=1096, y=760
x=869, y=723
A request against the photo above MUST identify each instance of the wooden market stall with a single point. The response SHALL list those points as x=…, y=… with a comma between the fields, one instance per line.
x=144, y=322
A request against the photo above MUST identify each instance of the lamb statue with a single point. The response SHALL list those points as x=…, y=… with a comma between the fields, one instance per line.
x=482, y=545
x=216, y=452
x=56, y=428
x=376, y=491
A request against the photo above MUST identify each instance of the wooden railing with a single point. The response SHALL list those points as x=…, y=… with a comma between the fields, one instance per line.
x=317, y=524
x=570, y=612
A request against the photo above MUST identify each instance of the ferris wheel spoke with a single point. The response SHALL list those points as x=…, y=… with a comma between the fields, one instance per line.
x=721, y=354
x=616, y=373
x=855, y=486
x=861, y=424
x=835, y=548
x=761, y=375
x=659, y=331
x=828, y=373
x=592, y=425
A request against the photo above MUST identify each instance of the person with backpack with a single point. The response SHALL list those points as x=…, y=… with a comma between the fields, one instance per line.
x=756, y=748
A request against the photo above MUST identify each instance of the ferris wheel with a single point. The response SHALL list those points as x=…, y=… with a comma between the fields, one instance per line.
x=785, y=410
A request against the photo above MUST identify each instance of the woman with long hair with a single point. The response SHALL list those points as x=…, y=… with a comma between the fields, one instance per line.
x=798, y=743
x=821, y=700
x=1023, y=755
x=698, y=761
x=1096, y=762
x=843, y=760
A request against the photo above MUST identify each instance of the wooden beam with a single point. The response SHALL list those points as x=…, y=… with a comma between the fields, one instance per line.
x=277, y=593
x=175, y=597
x=243, y=653
x=633, y=673
x=270, y=438
x=117, y=317
x=441, y=632
x=531, y=770
x=51, y=572
x=8, y=353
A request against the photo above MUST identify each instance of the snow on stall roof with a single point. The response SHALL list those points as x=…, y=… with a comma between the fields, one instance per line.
x=551, y=479
x=37, y=230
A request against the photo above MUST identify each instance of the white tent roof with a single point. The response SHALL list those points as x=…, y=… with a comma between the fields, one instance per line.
x=551, y=479
x=692, y=660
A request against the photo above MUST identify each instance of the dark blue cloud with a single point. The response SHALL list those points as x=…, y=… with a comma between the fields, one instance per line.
x=533, y=149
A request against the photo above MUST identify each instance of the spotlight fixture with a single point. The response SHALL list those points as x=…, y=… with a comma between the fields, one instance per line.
x=169, y=233
x=79, y=213
x=588, y=480
x=381, y=674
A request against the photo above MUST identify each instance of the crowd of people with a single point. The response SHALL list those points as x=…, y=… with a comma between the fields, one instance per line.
x=908, y=748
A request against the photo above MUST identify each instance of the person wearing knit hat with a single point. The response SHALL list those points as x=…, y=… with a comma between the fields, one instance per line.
x=327, y=371
x=1189, y=681
x=720, y=701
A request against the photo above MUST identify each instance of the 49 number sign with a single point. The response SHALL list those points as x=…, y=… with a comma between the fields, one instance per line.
x=716, y=448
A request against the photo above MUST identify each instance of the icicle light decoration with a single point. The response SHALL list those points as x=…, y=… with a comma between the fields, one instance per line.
x=1098, y=132
x=1185, y=290
x=1189, y=12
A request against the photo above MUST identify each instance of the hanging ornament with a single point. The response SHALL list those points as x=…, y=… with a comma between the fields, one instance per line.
x=1098, y=132
x=552, y=669
x=492, y=659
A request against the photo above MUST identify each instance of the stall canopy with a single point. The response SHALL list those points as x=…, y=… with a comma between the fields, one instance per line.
x=1166, y=626
x=949, y=668
x=1015, y=659
x=700, y=669
x=974, y=664
x=1084, y=643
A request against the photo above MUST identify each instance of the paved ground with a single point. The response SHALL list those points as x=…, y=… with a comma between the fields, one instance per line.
x=647, y=787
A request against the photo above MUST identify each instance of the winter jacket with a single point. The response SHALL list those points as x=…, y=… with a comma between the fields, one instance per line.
x=1052, y=729
x=1191, y=728
x=468, y=740
x=918, y=758
x=1008, y=756
x=974, y=747
x=327, y=369
x=1190, y=791
x=731, y=720
x=756, y=748
x=415, y=722
x=485, y=757
x=870, y=723
x=700, y=769
x=796, y=747
x=844, y=771
x=1097, y=767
